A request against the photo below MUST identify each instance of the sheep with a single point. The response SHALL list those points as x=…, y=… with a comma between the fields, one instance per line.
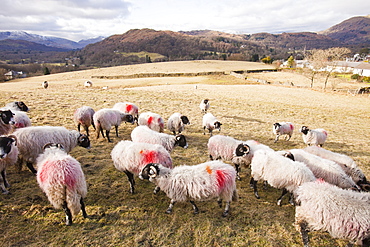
x=205, y=181
x=227, y=148
x=45, y=84
x=176, y=123
x=31, y=140
x=19, y=109
x=17, y=106
x=344, y=214
x=347, y=163
x=84, y=116
x=61, y=178
x=129, y=108
x=105, y=118
x=204, y=105
x=6, y=121
x=8, y=157
x=210, y=122
x=130, y=157
x=88, y=84
x=278, y=171
x=315, y=137
x=153, y=120
x=144, y=134
x=328, y=170
x=283, y=128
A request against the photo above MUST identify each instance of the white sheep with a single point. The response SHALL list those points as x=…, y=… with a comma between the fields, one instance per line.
x=213, y=179
x=283, y=128
x=153, y=120
x=227, y=148
x=17, y=106
x=347, y=163
x=326, y=169
x=45, y=84
x=176, y=123
x=105, y=119
x=129, y=108
x=144, y=134
x=6, y=121
x=84, y=116
x=8, y=157
x=344, y=214
x=204, y=105
x=88, y=84
x=315, y=137
x=31, y=140
x=61, y=177
x=130, y=158
x=211, y=123
x=278, y=171
x=19, y=109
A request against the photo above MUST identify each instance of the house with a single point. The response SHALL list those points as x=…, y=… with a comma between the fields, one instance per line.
x=14, y=74
x=363, y=69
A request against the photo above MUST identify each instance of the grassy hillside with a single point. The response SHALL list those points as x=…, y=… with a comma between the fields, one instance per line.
x=118, y=218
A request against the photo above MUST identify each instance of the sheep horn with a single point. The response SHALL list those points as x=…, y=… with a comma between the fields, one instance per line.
x=152, y=172
x=14, y=138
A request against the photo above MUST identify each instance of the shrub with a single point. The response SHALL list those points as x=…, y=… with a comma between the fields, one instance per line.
x=355, y=76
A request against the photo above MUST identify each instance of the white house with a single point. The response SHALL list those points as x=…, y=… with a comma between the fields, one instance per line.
x=362, y=69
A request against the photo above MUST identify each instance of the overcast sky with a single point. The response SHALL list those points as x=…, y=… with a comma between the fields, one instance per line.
x=83, y=19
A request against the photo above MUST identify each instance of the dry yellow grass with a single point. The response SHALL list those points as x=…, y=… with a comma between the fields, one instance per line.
x=118, y=218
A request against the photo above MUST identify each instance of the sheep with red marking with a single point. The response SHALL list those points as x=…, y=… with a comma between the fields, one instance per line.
x=61, y=177
x=128, y=108
x=283, y=128
x=130, y=158
x=209, y=180
x=83, y=116
x=153, y=120
x=8, y=157
x=315, y=137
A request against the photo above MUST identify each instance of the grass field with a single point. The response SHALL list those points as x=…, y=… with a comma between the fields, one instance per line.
x=118, y=218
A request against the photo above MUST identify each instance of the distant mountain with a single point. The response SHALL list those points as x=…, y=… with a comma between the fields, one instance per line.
x=353, y=31
x=48, y=40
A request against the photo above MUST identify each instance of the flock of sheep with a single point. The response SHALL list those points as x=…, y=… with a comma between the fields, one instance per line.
x=328, y=189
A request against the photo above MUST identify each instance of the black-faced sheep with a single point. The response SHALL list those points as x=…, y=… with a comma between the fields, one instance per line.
x=227, y=148
x=19, y=109
x=84, y=116
x=316, y=137
x=153, y=120
x=61, y=177
x=105, y=119
x=31, y=140
x=128, y=108
x=344, y=214
x=211, y=123
x=17, y=106
x=6, y=121
x=45, y=84
x=278, y=171
x=88, y=84
x=176, y=123
x=204, y=105
x=283, y=128
x=130, y=158
x=347, y=163
x=144, y=134
x=209, y=180
x=8, y=157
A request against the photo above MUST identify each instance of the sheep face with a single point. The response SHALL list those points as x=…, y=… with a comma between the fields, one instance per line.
x=84, y=141
x=277, y=126
x=242, y=150
x=149, y=172
x=19, y=105
x=181, y=141
x=6, y=146
x=217, y=125
x=7, y=117
x=304, y=130
x=128, y=118
x=185, y=120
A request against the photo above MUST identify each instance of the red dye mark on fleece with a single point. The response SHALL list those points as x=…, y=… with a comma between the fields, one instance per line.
x=149, y=156
x=220, y=178
x=70, y=180
x=128, y=108
x=208, y=169
x=291, y=126
x=150, y=120
x=325, y=133
x=43, y=174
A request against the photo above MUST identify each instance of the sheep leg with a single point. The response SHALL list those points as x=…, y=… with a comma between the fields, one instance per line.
x=130, y=177
x=227, y=209
x=169, y=209
x=30, y=166
x=288, y=137
x=107, y=134
x=3, y=183
x=196, y=210
x=83, y=208
x=79, y=127
x=254, y=183
x=276, y=138
x=93, y=125
x=156, y=190
x=116, y=127
x=281, y=197
x=304, y=234
x=87, y=130
x=68, y=214
x=219, y=202
x=3, y=175
x=210, y=156
x=237, y=168
x=204, y=130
